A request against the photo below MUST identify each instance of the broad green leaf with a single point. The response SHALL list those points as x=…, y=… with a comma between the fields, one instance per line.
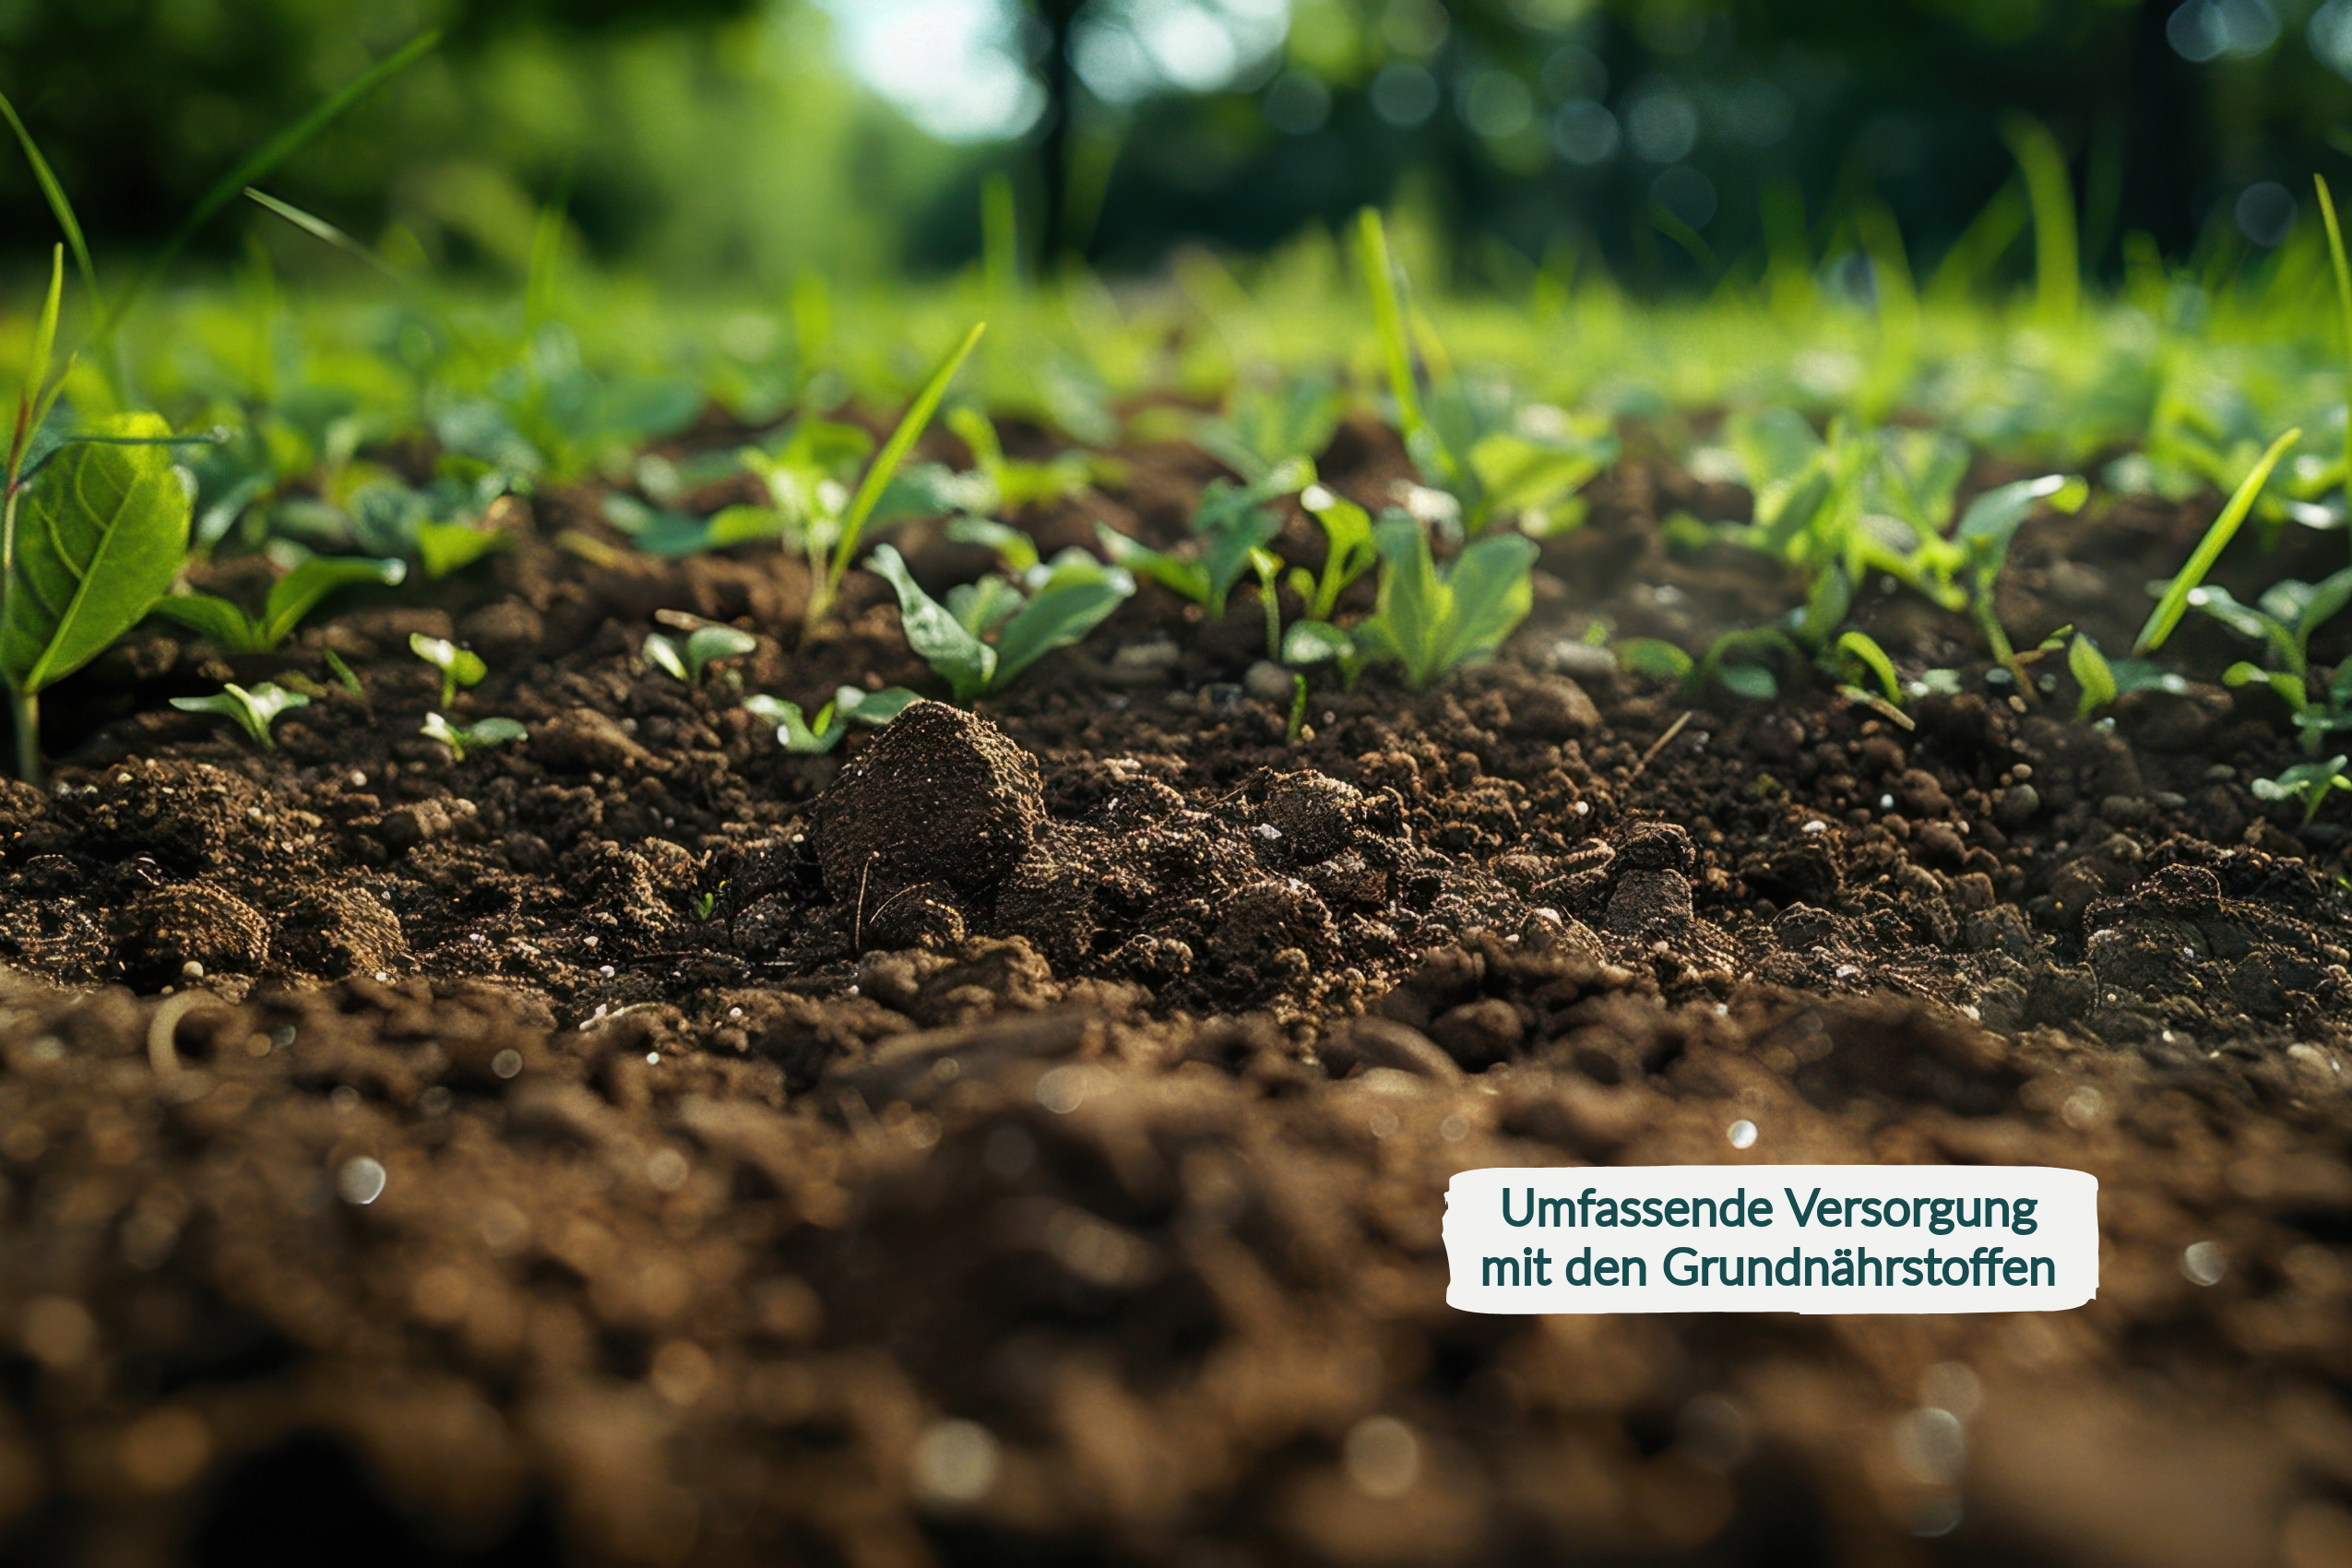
x=1074, y=602
x=299, y=592
x=1750, y=680
x=981, y=607
x=1410, y=618
x=2175, y=602
x=1826, y=605
x=100, y=535
x=445, y=548
x=231, y=629
x=1492, y=592
x=966, y=662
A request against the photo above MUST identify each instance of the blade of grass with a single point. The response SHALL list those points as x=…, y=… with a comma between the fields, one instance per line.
x=2057, y=266
x=1388, y=319
x=320, y=229
x=47, y=179
x=270, y=154
x=2344, y=309
x=2175, y=602
x=894, y=452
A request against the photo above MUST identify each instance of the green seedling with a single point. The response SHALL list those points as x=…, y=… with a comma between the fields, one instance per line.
x=91, y=539
x=1349, y=552
x=345, y=676
x=2283, y=619
x=1986, y=531
x=2310, y=782
x=850, y=705
x=1501, y=464
x=253, y=711
x=2174, y=603
x=2093, y=674
x=1265, y=426
x=481, y=734
x=1231, y=523
x=290, y=599
x=458, y=666
x=701, y=647
x=827, y=572
x=1013, y=483
x=1077, y=593
x=1431, y=621
x=1298, y=724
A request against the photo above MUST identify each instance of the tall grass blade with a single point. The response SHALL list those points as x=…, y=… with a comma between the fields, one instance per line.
x=2175, y=602
x=2344, y=310
x=47, y=179
x=894, y=452
x=1388, y=319
x=257, y=164
x=2056, y=258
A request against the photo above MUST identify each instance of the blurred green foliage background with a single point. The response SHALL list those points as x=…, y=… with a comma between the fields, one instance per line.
x=1667, y=141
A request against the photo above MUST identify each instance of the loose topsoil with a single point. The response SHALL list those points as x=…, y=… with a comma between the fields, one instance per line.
x=1021, y=1138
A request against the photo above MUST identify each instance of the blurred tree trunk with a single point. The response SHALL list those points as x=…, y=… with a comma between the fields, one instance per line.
x=1054, y=151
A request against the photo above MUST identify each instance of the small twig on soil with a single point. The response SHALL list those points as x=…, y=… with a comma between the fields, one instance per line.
x=1658, y=745
x=857, y=925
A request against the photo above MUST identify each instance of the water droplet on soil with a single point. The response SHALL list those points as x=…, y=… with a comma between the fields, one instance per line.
x=1742, y=1133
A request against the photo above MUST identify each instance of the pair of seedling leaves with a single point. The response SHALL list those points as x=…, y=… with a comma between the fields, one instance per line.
x=1429, y=619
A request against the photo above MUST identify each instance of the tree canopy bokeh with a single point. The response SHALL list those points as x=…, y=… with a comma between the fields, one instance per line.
x=1669, y=140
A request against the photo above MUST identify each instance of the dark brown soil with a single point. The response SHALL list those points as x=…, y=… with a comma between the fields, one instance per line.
x=642, y=1145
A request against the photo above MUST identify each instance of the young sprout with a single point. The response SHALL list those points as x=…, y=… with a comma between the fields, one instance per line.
x=2175, y=602
x=797, y=733
x=1350, y=552
x=1985, y=530
x=478, y=735
x=2091, y=674
x=1231, y=523
x=345, y=676
x=292, y=597
x=1429, y=621
x=687, y=660
x=828, y=572
x=458, y=666
x=1076, y=594
x=253, y=711
x=2310, y=782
